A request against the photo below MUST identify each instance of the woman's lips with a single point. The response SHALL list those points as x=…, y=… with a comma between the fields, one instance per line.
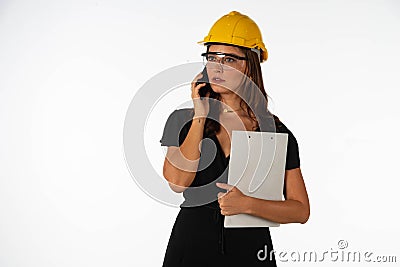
x=217, y=80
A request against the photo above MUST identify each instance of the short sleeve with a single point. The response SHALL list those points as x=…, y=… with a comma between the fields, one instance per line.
x=292, y=152
x=176, y=128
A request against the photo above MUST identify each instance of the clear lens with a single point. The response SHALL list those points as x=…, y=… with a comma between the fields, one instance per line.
x=225, y=61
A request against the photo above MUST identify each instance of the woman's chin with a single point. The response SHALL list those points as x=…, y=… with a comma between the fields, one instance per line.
x=220, y=89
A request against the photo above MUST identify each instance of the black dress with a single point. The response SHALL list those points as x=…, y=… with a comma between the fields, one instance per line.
x=198, y=237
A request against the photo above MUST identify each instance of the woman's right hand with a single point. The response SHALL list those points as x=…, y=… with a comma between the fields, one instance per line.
x=201, y=104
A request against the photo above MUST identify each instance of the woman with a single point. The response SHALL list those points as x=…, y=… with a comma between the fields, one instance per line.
x=198, y=237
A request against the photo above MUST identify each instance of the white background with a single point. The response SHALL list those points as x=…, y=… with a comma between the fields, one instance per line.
x=69, y=69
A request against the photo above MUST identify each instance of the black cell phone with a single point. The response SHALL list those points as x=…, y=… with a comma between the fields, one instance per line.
x=203, y=90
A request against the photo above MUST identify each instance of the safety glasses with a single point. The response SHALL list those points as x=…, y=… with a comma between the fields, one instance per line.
x=227, y=61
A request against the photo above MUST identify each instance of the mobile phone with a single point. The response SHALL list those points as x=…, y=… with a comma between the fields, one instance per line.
x=203, y=90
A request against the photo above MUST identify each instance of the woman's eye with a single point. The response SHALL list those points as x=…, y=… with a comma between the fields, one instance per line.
x=229, y=60
x=211, y=58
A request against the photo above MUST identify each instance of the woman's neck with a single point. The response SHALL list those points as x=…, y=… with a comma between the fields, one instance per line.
x=230, y=101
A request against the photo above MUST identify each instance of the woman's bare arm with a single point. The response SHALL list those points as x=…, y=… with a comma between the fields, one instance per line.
x=296, y=207
x=180, y=164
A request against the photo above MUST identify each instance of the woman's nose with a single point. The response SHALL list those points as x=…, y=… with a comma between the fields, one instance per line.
x=219, y=68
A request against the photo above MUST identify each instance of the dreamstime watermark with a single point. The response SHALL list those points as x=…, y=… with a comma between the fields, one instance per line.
x=339, y=254
x=143, y=104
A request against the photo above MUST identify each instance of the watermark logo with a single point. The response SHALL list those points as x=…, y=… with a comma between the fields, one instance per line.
x=339, y=254
x=263, y=254
x=342, y=244
x=144, y=103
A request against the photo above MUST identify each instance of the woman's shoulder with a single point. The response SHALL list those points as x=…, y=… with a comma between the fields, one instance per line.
x=177, y=125
x=181, y=116
x=182, y=111
x=292, y=154
x=280, y=126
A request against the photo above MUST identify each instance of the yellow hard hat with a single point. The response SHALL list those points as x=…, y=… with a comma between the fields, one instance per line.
x=237, y=29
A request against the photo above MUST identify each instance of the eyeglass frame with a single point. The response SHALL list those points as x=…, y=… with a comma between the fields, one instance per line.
x=204, y=55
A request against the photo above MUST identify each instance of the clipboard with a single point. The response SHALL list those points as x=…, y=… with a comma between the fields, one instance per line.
x=257, y=168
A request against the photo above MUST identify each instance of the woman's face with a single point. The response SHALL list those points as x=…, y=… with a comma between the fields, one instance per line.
x=221, y=78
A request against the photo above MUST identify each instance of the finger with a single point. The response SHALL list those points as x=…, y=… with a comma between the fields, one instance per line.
x=220, y=194
x=225, y=186
x=197, y=87
x=196, y=94
x=195, y=90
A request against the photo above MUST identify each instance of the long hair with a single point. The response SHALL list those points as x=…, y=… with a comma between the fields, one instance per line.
x=254, y=73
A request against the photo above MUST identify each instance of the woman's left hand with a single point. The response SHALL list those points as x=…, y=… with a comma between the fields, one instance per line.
x=232, y=202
